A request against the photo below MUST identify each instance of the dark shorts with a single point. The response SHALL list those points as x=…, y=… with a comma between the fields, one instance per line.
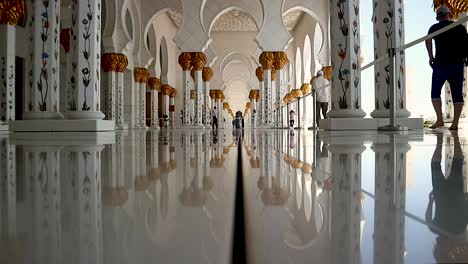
x=451, y=73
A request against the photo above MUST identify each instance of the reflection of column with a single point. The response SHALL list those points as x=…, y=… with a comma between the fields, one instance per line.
x=346, y=203
x=7, y=192
x=86, y=47
x=389, y=32
x=43, y=98
x=155, y=87
x=346, y=55
x=261, y=107
x=85, y=163
x=267, y=60
x=113, y=100
x=390, y=190
x=192, y=107
x=198, y=62
x=8, y=25
x=42, y=168
x=185, y=63
x=306, y=88
x=207, y=76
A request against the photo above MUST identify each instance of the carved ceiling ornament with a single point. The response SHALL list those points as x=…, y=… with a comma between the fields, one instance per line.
x=238, y=21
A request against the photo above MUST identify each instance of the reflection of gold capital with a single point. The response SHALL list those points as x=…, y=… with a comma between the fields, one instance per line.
x=154, y=174
x=142, y=183
x=12, y=11
x=184, y=61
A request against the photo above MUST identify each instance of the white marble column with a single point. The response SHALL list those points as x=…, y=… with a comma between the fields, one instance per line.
x=389, y=32
x=185, y=63
x=172, y=106
x=192, y=107
x=43, y=98
x=7, y=72
x=261, y=111
x=346, y=203
x=390, y=197
x=166, y=91
x=267, y=60
x=155, y=87
x=207, y=76
x=281, y=59
x=198, y=60
x=85, y=93
x=113, y=66
x=141, y=76
x=346, y=56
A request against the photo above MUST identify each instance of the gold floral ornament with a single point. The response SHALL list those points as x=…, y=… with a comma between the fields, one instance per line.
x=166, y=89
x=184, y=61
x=207, y=74
x=456, y=6
x=259, y=72
x=192, y=94
x=281, y=59
x=306, y=88
x=12, y=12
x=154, y=84
x=327, y=72
x=113, y=62
x=141, y=75
x=198, y=60
x=267, y=60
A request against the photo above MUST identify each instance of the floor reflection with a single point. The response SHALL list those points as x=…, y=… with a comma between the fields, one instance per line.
x=134, y=197
x=168, y=197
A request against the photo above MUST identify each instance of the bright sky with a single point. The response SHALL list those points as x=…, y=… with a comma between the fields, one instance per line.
x=419, y=16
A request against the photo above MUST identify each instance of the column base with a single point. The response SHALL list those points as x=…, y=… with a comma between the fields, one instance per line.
x=368, y=123
x=42, y=116
x=346, y=113
x=62, y=125
x=84, y=115
x=402, y=113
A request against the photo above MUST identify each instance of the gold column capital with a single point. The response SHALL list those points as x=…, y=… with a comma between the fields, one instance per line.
x=281, y=59
x=267, y=59
x=141, y=75
x=198, y=60
x=154, y=84
x=113, y=62
x=207, y=74
x=12, y=11
x=185, y=61
x=260, y=74
x=166, y=89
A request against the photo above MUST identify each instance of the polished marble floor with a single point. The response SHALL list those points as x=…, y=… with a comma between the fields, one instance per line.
x=173, y=197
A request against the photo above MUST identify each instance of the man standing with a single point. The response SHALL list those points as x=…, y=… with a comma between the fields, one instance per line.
x=322, y=92
x=214, y=120
x=447, y=65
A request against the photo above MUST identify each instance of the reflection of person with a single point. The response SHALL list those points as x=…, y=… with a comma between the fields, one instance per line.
x=451, y=205
x=447, y=65
x=214, y=120
x=292, y=115
x=322, y=95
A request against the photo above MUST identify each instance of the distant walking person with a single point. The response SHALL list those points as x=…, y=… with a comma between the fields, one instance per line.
x=447, y=65
x=292, y=116
x=322, y=94
x=214, y=120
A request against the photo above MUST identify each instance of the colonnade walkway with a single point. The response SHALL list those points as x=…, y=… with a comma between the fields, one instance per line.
x=253, y=196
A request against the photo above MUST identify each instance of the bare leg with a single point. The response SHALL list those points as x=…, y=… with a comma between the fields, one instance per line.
x=456, y=116
x=437, y=104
